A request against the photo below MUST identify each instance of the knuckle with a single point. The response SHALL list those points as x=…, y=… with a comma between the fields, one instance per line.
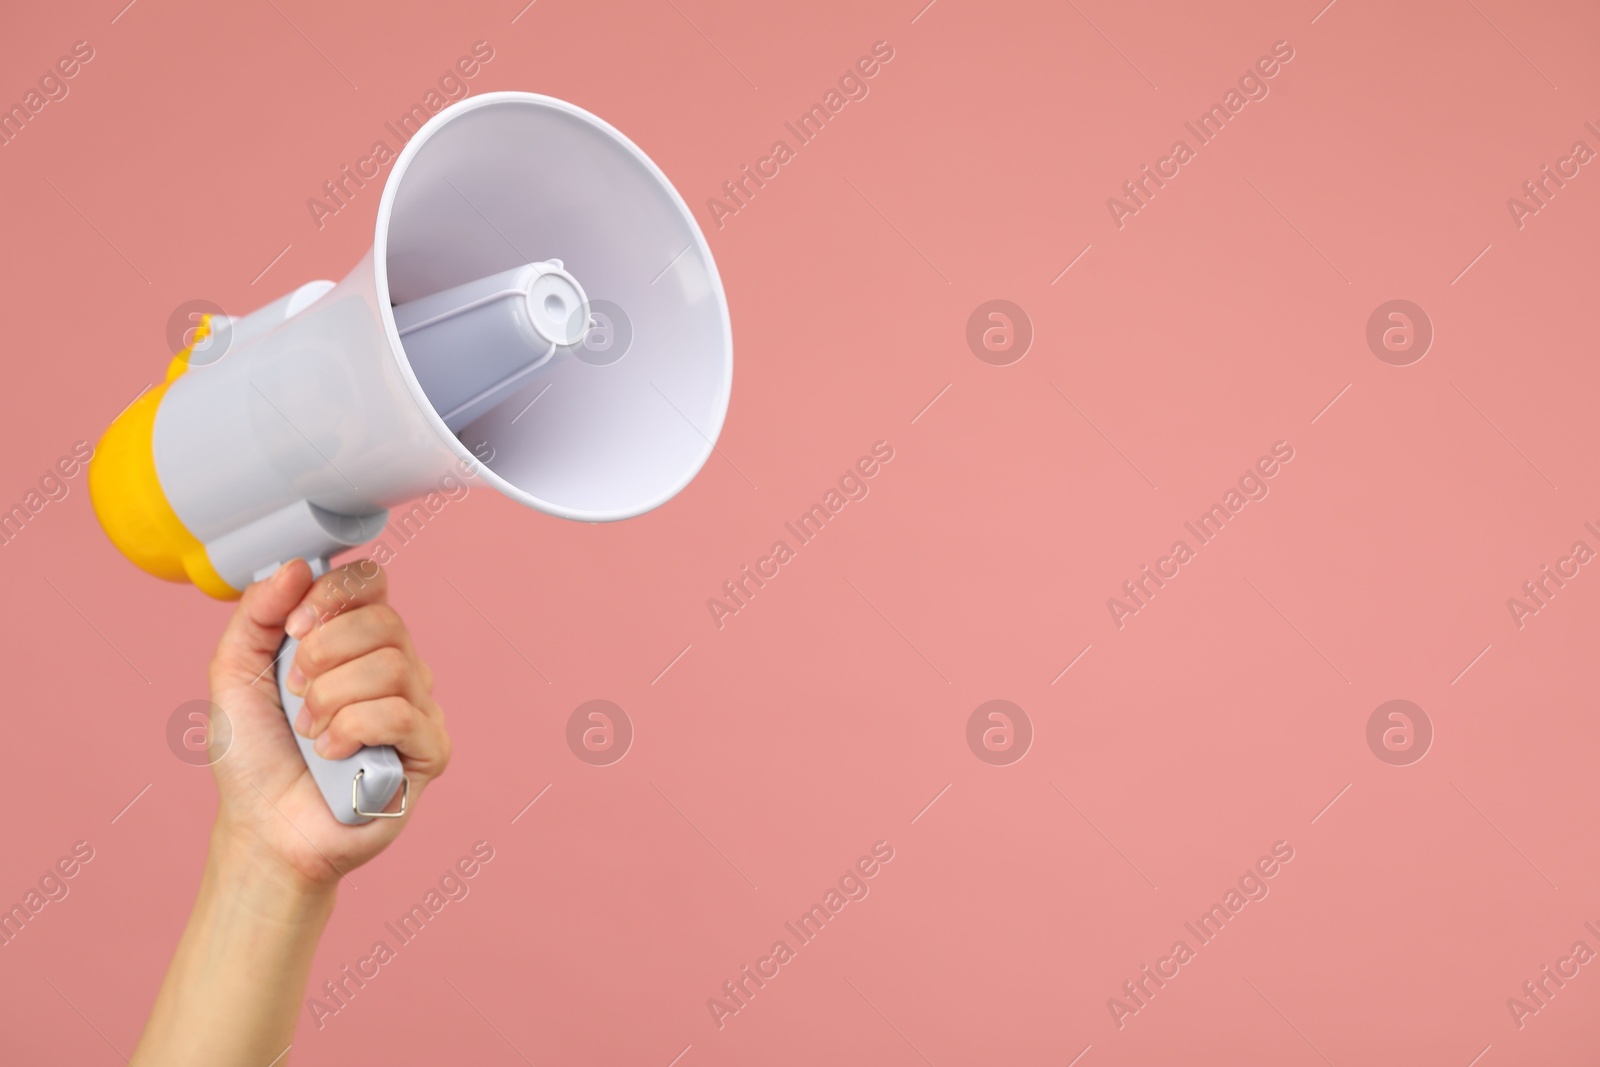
x=318, y=699
x=407, y=719
x=392, y=665
x=314, y=653
x=385, y=619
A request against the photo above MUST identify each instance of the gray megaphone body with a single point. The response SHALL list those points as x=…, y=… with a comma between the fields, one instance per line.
x=464, y=340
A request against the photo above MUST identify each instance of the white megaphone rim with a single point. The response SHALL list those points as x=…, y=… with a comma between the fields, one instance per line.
x=380, y=257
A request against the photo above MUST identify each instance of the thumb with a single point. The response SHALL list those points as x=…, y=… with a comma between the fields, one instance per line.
x=254, y=634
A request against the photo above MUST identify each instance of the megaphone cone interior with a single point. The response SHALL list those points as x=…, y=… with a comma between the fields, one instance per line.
x=506, y=224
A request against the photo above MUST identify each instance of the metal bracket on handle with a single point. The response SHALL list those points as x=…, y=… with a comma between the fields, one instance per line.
x=355, y=797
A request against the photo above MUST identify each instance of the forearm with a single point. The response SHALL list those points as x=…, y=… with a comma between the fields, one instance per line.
x=232, y=991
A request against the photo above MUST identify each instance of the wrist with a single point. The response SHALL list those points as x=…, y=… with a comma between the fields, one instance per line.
x=232, y=990
x=239, y=869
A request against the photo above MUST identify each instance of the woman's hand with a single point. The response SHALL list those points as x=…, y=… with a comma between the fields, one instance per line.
x=363, y=685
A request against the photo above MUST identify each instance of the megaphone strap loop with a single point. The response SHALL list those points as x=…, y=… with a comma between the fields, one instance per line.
x=355, y=797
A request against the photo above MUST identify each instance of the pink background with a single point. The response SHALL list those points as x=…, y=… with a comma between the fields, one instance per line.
x=826, y=716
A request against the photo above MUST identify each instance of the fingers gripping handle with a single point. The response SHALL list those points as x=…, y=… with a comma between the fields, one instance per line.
x=357, y=788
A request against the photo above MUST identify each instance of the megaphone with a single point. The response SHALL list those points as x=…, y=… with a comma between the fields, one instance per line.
x=512, y=231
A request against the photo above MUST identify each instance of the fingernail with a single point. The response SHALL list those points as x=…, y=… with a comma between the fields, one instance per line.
x=323, y=743
x=302, y=723
x=299, y=624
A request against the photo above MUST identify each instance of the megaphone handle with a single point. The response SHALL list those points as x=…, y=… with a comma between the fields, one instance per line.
x=357, y=788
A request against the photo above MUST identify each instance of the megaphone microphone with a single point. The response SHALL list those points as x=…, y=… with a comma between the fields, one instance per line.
x=289, y=432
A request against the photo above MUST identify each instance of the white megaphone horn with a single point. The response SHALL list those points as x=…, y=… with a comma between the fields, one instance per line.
x=513, y=231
